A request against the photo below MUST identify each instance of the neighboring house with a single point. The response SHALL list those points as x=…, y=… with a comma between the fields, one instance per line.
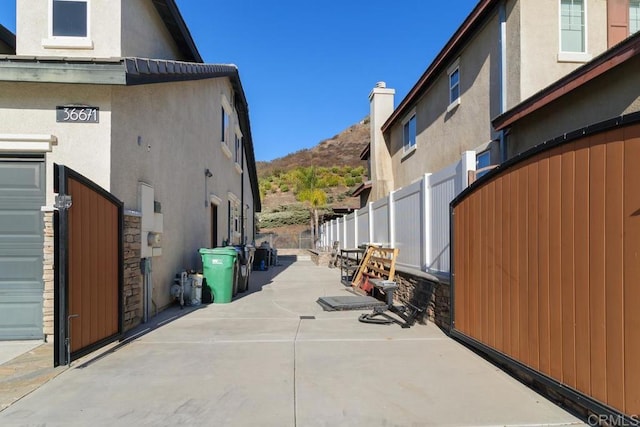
x=545, y=247
x=364, y=190
x=155, y=123
x=606, y=88
x=504, y=52
x=7, y=41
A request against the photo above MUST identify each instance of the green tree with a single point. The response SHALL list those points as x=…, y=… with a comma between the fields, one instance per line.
x=314, y=197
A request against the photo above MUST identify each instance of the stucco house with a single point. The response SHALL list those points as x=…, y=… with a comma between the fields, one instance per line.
x=504, y=52
x=118, y=92
x=610, y=81
x=545, y=246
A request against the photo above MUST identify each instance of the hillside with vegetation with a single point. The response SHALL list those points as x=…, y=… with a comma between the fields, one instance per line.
x=298, y=189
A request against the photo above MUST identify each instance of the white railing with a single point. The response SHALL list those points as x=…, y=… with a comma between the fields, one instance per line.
x=414, y=219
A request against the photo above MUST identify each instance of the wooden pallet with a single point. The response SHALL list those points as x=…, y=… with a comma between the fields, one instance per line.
x=377, y=263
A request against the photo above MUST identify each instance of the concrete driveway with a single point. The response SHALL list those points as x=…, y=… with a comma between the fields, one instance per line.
x=272, y=357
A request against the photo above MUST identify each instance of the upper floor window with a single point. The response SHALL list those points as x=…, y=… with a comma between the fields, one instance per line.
x=572, y=26
x=224, y=126
x=454, y=85
x=69, y=25
x=69, y=18
x=634, y=16
x=238, y=151
x=409, y=134
x=483, y=160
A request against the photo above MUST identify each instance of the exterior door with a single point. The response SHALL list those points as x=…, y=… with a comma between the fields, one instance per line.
x=88, y=281
x=22, y=194
x=214, y=225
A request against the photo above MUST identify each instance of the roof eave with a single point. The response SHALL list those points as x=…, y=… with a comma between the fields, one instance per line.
x=172, y=18
x=47, y=70
x=8, y=38
x=609, y=59
x=361, y=188
x=462, y=34
x=366, y=152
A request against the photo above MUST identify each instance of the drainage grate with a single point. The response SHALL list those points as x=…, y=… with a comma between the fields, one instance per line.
x=307, y=317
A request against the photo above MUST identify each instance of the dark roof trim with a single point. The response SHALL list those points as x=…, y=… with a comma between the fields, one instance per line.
x=242, y=107
x=444, y=58
x=135, y=71
x=146, y=71
x=601, y=64
x=361, y=188
x=593, y=129
x=366, y=152
x=174, y=22
x=8, y=38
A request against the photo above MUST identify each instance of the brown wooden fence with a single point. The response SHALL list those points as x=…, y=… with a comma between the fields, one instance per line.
x=89, y=258
x=94, y=264
x=546, y=258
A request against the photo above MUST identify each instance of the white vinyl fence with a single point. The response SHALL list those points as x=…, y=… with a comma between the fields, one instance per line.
x=414, y=219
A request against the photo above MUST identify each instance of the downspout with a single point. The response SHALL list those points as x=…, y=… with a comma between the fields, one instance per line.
x=503, y=75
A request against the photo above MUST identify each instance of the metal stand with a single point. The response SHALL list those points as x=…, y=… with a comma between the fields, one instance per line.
x=379, y=315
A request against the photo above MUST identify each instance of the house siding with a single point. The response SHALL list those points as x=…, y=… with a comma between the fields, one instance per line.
x=615, y=94
x=32, y=24
x=443, y=136
x=179, y=139
x=144, y=34
x=30, y=108
x=540, y=44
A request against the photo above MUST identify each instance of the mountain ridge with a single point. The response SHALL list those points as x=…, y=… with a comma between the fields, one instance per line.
x=343, y=149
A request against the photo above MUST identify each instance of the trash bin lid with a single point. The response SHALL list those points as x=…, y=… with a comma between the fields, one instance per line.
x=230, y=251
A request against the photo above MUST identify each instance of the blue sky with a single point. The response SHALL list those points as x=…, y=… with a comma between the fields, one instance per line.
x=307, y=67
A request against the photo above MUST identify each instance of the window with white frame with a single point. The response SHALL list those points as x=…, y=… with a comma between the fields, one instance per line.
x=238, y=150
x=454, y=84
x=483, y=160
x=409, y=133
x=572, y=26
x=69, y=24
x=634, y=16
x=69, y=18
x=224, y=126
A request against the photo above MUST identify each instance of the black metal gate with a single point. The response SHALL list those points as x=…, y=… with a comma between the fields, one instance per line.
x=88, y=225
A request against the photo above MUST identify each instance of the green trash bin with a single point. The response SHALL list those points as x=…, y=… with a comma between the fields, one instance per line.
x=219, y=267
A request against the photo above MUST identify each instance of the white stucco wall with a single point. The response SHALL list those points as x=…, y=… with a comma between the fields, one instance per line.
x=143, y=32
x=33, y=22
x=28, y=108
x=178, y=126
x=540, y=42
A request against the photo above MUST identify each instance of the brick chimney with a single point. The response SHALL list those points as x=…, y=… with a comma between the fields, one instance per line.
x=381, y=102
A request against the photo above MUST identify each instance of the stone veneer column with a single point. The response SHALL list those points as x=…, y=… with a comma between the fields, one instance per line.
x=132, y=275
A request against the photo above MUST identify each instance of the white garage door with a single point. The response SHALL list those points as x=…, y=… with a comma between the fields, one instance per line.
x=22, y=193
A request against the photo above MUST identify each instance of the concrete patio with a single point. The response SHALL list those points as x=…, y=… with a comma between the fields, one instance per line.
x=273, y=357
